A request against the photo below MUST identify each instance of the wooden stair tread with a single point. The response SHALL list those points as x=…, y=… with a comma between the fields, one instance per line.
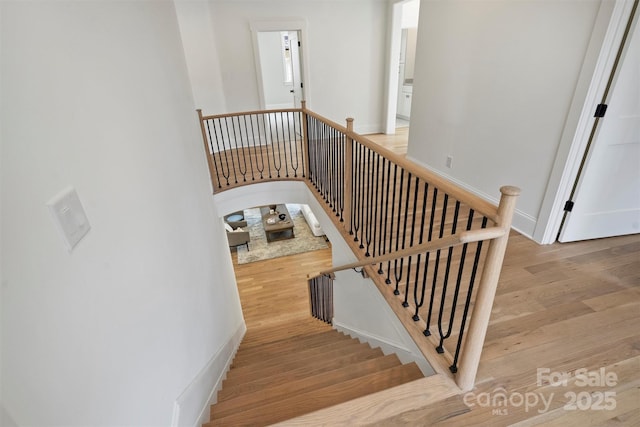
x=386, y=407
x=302, y=403
x=295, y=356
x=267, y=335
x=231, y=390
x=282, y=347
x=271, y=393
x=311, y=358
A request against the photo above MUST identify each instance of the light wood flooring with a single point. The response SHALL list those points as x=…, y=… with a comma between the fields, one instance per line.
x=562, y=307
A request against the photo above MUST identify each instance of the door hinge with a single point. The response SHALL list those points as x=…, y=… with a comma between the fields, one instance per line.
x=568, y=206
x=301, y=85
x=601, y=109
x=299, y=44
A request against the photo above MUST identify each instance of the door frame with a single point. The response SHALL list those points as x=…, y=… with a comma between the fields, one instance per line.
x=394, y=36
x=603, y=47
x=286, y=24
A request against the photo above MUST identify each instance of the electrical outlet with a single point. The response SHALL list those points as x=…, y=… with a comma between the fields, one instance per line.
x=449, y=162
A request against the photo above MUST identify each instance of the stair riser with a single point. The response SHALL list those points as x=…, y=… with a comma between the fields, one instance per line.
x=275, y=393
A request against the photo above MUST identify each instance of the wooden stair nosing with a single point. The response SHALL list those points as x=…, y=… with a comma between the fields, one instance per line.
x=322, y=398
x=294, y=360
x=230, y=390
x=270, y=393
x=381, y=406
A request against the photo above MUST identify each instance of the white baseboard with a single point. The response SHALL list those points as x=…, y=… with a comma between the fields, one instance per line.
x=368, y=129
x=522, y=221
x=279, y=106
x=191, y=408
x=404, y=354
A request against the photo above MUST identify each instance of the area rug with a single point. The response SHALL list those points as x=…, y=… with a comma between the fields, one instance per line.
x=260, y=250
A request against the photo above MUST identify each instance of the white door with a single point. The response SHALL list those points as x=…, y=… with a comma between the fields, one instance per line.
x=298, y=85
x=607, y=195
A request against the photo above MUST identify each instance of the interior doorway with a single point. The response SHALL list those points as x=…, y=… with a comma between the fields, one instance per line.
x=404, y=30
x=605, y=199
x=280, y=63
x=614, y=20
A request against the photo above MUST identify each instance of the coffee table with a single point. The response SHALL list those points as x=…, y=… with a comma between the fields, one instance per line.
x=276, y=228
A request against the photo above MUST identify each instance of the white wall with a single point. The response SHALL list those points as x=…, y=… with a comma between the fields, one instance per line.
x=494, y=82
x=346, y=55
x=96, y=95
x=359, y=308
x=196, y=30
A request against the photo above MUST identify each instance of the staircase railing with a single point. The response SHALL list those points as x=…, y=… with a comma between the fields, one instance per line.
x=245, y=148
x=433, y=249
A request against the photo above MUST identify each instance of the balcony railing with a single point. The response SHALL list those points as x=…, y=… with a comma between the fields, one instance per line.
x=434, y=250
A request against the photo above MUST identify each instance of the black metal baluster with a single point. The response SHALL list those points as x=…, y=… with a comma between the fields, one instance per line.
x=213, y=154
x=384, y=218
x=393, y=208
x=283, y=147
x=440, y=348
x=405, y=303
x=426, y=263
x=363, y=179
x=341, y=175
x=352, y=208
x=311, y=148
x=293, y=158
x=427, y=330
x=376, y=205
x=458, y=281
x=370, y=208
x=237, y=151
x=334, y=167
x=257, y=143
x=233, y=164
x=476, y=261
x=396, y=291
x=356, y=191
x=268, y=142
x=246, y=150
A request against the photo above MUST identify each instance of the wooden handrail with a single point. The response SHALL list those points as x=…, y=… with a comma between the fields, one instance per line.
x=478, y=203
x=496, y=235
x=443, y=243
x=247, y=113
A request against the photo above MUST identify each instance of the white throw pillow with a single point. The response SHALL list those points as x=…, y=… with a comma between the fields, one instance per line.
x=228, y=227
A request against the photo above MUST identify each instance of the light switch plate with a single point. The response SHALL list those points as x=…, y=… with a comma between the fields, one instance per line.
x=68, y=214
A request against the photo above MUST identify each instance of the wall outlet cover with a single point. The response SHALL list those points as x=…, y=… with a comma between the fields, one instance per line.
x=69, y=217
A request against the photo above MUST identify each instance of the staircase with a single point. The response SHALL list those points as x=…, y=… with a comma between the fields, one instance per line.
x=294, y=369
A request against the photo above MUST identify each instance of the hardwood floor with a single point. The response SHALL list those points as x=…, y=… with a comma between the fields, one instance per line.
x=559, y=307
x=396, y=143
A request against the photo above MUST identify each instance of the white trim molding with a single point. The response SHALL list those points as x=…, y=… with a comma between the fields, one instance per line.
x=522, y=221
x=191, y=408
x=603, y=47
x=284, y=24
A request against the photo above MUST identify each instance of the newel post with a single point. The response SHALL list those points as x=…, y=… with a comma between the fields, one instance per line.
x=470, y=357
x=305, y=139
x=207, y=152
x=348, y=174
